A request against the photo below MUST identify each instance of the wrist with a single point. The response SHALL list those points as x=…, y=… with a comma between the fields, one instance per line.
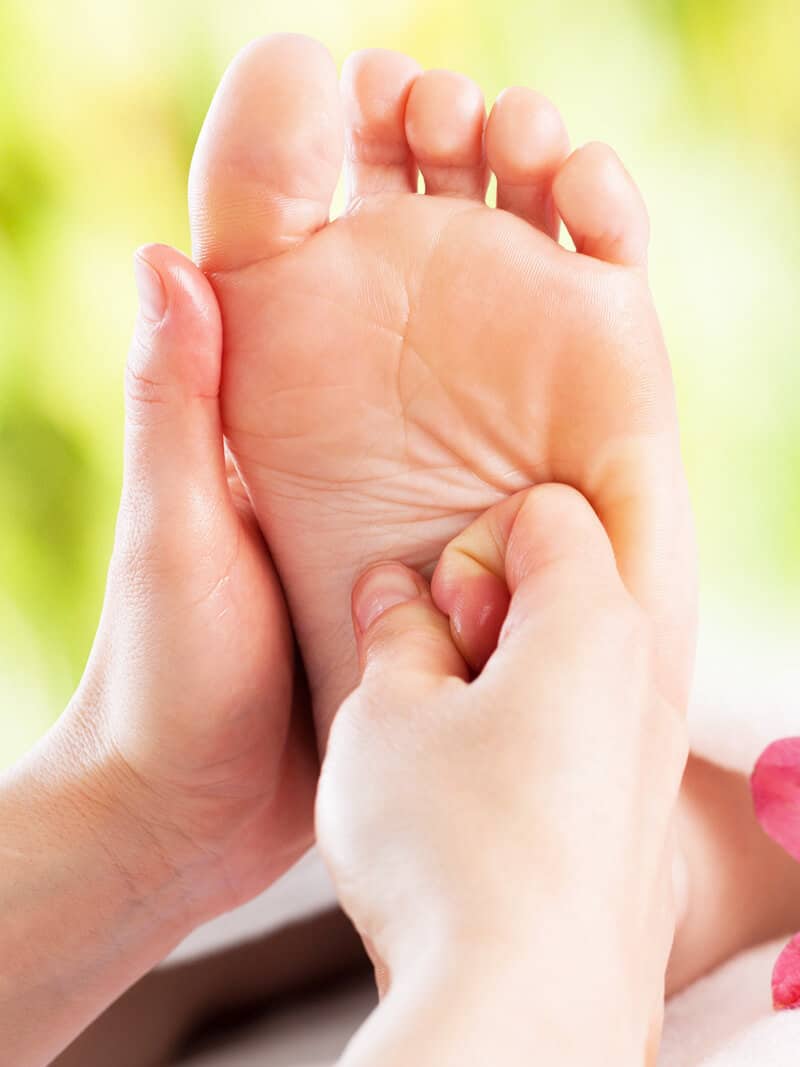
x=488, y=1000
x=95, y=906
x=91, y=808
x=151, y=828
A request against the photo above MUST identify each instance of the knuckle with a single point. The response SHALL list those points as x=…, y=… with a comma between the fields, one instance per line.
x=144, y=385
x=408, y=626
x=140, y=389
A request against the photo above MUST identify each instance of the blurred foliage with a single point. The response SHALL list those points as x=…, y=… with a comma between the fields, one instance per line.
x=100, y=105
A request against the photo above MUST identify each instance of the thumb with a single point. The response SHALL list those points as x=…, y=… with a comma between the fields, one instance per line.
x=559, y=566
x=511, y=549
x=173, y=433
x=400, y=633
x=557, y=535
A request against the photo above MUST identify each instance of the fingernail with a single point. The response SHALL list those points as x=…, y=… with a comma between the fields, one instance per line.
x=152, y=294
x=383, y=587
x=786, y=978
x=775, y=785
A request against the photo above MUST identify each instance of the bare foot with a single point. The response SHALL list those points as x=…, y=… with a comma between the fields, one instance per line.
x=393, y=373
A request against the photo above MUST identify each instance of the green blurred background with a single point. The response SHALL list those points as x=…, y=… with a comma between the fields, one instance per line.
x=100, y=104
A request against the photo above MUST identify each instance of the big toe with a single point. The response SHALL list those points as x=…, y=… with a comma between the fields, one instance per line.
x=269, y=154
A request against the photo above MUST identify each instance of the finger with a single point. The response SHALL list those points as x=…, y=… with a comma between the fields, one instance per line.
x=477, y=571
x=400, y=632
x=469, y=582
x=174, y=456
x=546, y=546
x=559, y=562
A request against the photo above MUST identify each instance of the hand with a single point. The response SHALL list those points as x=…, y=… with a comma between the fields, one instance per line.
x=504, y=845
x=180, y=781
x=186, y=706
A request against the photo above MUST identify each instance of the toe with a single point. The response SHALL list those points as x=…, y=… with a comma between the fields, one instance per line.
x=269, y=154
x=375, y=88
x=445, y=117
x=526, y=142
x=602, y=207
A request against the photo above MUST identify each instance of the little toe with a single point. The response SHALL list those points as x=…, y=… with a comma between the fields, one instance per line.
x=375, y=88
x=526, y=143
x=602, y=207
x=445, y=117
x=269, y=154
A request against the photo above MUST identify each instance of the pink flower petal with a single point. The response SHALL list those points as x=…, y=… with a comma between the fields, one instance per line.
x=786, y=977
x=775, y=785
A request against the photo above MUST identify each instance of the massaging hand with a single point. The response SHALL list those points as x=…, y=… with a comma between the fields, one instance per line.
x=189, y=689
x=504, y=844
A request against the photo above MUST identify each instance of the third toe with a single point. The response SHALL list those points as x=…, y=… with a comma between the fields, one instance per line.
x=445, y=118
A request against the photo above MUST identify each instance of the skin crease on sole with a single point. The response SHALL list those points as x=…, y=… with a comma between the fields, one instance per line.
x=390, y=375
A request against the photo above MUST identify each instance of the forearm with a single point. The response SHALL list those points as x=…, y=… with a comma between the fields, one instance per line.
x=88, y=904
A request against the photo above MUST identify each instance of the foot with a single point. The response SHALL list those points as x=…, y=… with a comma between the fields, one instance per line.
x=392, y=374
